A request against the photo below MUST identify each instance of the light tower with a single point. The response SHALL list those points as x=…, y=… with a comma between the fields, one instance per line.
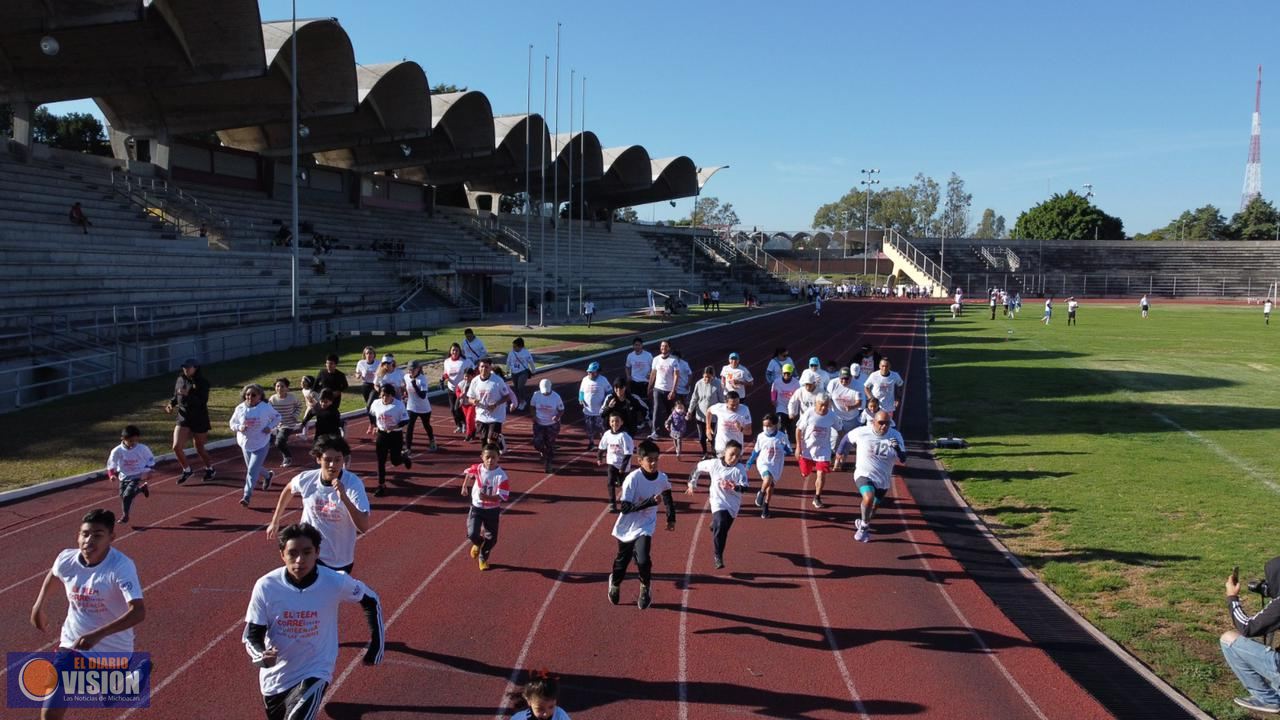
x=1253, y=169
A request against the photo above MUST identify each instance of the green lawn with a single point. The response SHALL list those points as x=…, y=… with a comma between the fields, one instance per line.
x=73, y=435
x=1129, y=463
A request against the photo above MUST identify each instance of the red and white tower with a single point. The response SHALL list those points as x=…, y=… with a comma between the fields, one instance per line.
x=1253, y=170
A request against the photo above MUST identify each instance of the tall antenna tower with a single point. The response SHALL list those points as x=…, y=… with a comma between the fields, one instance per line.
x=1253, y=169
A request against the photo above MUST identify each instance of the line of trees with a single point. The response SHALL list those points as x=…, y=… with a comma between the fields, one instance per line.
x=79, y=132
x=921, y=209
x=1259, y=220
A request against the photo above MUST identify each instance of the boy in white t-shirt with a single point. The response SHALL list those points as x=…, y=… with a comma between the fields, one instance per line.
x=548, y=408
x=333, y=502
x=616, y=448
x=769, y=456
x=291, y=626
x=104, y=598
x=638, y=363
x=728, y=480
x=637, y=521
x=729, y=420
x=489, y=487
x=130, y=463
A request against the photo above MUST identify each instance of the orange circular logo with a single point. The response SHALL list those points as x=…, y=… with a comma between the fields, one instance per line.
x=38, y=679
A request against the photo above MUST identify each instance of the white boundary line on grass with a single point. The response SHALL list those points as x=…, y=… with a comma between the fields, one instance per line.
x=1115, y=648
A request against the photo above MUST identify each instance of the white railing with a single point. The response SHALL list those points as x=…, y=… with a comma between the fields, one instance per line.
x=75, y=375
x=990, y=257
x=1014, y=261
x=920, y=260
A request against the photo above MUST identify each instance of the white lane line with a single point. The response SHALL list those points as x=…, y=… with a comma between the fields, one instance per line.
x=684, y=614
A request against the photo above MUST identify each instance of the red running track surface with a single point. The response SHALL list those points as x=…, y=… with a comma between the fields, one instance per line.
x=804, y=622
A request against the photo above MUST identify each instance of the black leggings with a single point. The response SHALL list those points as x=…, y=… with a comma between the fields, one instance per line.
x=300, y=701
x=721, y=521
x=639, y=548
x=455, y=408
x=389, y=444
x=281, y=437
x=426, y=423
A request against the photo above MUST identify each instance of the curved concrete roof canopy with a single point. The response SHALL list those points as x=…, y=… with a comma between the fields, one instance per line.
x=672, y=178
x=326, y=86
x=395, y=104
x=100, y=40
x=626, y=169
x=504, y=170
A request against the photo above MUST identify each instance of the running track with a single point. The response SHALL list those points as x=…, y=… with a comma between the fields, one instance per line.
x=804, y=622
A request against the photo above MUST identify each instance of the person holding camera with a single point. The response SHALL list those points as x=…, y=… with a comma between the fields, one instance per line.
x=1254, y=663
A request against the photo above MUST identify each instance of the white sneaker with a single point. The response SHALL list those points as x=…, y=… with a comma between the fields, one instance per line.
x=286, y=462
x=863, y=533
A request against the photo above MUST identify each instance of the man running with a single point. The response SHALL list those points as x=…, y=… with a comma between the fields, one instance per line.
x=879, y=447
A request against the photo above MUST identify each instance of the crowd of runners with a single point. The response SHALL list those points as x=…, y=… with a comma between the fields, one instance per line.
x=819, y=412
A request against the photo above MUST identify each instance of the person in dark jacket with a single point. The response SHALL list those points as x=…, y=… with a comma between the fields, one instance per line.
x=1254, y=662
x=634, y=411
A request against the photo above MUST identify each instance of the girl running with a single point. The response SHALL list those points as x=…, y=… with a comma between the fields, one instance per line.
x=540, y=697
x=452, y=373
x=418, y=404
x=191, y=404
x=390, y=417
x=253, y=423
x=365, y=373
x=289, y=407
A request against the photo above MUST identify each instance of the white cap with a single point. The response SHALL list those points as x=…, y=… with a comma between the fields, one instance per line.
x=808, y=377
x=545, y=386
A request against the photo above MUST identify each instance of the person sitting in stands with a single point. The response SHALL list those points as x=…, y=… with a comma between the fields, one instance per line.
x=77, y=217
x=283, y=236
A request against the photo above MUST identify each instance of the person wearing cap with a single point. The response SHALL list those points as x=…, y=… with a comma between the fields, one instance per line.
x=846, y=401
x=774, y=370
x=823, y=377
x=416, y=402
x=473, y=347
x=707, y=392
x=638, y=363
x=664, y=374
x=814, y=439
x=548, y=408
x=735, y=376
x=592, y=392
x=491, y=397
x=190, y=403
x=886, y=386
x=521, y=366
x=804, y=398
x=780, y=392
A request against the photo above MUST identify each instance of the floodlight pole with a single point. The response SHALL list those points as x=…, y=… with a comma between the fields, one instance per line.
x=582, y=194
x=866, y=219
x=555, y=184
x=528, y=201
x=293, y=179
x=569, y=220
x=542, y=203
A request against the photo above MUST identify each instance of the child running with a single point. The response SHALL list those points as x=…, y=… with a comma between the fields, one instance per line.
x=104, y=599
x=729, y=420
x=769, y=456
x=678, y=425
x=326, y=414
x=489, y=487
x=728, y=480
x=130, y=463
x=592, y=392
x=547, y=411
x=616, y=448
x=540, y=697
x=879, y=447
x=418, y=405
x=466, y=406
x=253, y=423
x=333, y=502
x=390, y=417
x=290, y=408
x=291, y=626
x=637, y=521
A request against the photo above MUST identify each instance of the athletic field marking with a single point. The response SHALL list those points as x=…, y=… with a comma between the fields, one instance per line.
x=684, y=614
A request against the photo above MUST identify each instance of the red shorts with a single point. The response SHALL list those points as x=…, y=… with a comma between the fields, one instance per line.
x=807, y=466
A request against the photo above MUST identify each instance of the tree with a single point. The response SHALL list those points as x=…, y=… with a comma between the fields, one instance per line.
x=442, y=88
x=1257, y=221
x=955, y=213
x=1067, y=217
x=626, y=215
x=1001, y=233
x=79, y=132
x=986, y=229
x=847, y=213
x=1204, y=223
x=924, y=195
x=710, y=211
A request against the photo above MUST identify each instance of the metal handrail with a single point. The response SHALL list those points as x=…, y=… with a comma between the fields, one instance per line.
x=74, y=382
x=166, y=202
x=1014, y=261
x=923, y=262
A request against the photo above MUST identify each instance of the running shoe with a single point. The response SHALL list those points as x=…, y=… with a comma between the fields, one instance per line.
x=817, y=502
x=124, y=520
x=613, y=507
x=209, y=472
x=549, y=466
x=244, y=502
x=433, y=446
x=760, y=499
x=719, y=562
x=458, y=430
x=1256, y=705
x=764, y=512
x=382, y=490
x=266, y=481
x=475, y=551
x=502, y=444
x=863, y=533
x=483, y=563
x=145, y=490
x=644, y=600
x=186, y=475
x=613, y=593
x=408, y=462
x=286, y=462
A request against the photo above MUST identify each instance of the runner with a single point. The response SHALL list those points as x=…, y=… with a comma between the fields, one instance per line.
x=769, y=455
x=774, y=370
x=589, y=311
x=878, y=448
x=615, y=448
x=730, y=420
x=685, y=379
x=489, y=487
x=291, y=626
x=104, y=599
x=521, y=366
x=677, y=426
x=637, y=521
x=491, y=397
x=735, y=377
x=473, y=348
x=130, y=463
x=592, y=392
x=846, y=401
x=290, y=408
x=253, y=422
x=366, y=372
x=390, y=417
x=1145, y=304
x=664, y=375
x=639, y=363
x=727, y=480
x=548, y=408
x=190, y=402
x=1266, y=312
x=540, y=697
x=706, y=392
x=885, y=386
x=330, y=377
x=333, y=502
x=418, y=405
x=822, y=376
x=814, y=432
x=327, y=416
x=451, y=375
x=780, y=392
x=635, y=414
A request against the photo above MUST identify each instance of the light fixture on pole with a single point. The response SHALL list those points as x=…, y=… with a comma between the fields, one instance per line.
x=1088, y=193
x=867, y=184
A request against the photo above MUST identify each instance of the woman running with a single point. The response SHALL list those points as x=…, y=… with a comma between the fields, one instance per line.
x=191, y=404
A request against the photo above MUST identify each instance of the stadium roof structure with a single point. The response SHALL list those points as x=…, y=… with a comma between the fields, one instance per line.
x=111, y=46
x=504, y=165
x=669, y=179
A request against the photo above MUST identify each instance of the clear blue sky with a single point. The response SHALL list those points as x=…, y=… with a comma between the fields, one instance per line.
x=1149, y=101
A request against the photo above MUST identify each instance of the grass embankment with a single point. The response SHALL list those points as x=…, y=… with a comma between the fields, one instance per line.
x=73, y=435
x=1129, y=463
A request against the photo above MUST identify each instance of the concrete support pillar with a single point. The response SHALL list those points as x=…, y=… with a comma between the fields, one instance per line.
x=161, y=147
x=119, y=144
x=20, y=142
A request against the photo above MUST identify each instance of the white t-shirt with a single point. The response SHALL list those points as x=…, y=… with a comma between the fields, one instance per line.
x=813, y=434
x=730, y=424
x=736, y=378
x=474, y=350
x=324, y=510
x=394, y=378
x=1072, y=305
x=131, y=462
x=593, y=393
x=302, y=625
x=490, y=397
x=845, y=400
x=774, y=370
x=617, y=446
x=546, y=407
x=664, y=372
x=682, y=384
x=637, y=488
x=588, y=308
x=801, y=401
x=491, y=488
x=520, y=361
x=771, y=453
x=388, y=415
x=1266, y=307
x=782, y=392
x=727, y=484
x=875, y=454
x=253, y=425
x=366, y=370
x=638, y=365
x=97, y=596
x=454, y=370
x=559, y=714
x=413, y=403
x=884, y=388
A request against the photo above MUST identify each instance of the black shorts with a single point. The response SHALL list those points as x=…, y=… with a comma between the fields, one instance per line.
x=197, y=422
x=300, y=702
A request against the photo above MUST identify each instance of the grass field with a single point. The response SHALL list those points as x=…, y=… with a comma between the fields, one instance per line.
x=1129, y=463
x=73, y=435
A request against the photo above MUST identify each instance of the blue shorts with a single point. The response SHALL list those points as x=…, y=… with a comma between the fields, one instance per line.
x=865, y=486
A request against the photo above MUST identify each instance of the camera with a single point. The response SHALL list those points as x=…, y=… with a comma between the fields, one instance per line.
x=1260, y=587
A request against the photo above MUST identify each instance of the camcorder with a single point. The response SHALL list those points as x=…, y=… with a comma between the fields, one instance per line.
x=1261, y=587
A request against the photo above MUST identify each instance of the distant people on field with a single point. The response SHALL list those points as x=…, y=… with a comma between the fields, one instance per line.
x=1145, y=304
